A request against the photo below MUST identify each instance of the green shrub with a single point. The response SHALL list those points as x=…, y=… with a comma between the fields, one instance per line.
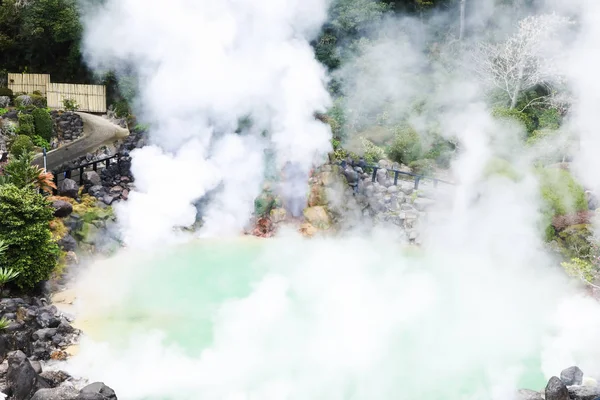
x=39, y=141
x=43, y=123
x=514, y=115
x=372, y=152
x=3, y=111
x=26, y=125
x=23, y=101
x=7, y=92
x=549, y=119
x=441, y=152
x=423, y=167
x=561, y=193
x=24, y=225
x=38, y=100
x=70, y=105
x=406, y=145
x=21, y=144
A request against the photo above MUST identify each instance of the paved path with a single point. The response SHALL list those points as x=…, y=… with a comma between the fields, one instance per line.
x=97, y=131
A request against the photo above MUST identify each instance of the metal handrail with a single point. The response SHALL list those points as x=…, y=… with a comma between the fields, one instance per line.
x=82, y=167
x=397, y=173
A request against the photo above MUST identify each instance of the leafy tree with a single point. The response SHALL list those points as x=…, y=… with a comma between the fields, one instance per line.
x=24, y=226
x=43, y=123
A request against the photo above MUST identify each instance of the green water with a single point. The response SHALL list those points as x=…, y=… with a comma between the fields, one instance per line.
x=315, y=320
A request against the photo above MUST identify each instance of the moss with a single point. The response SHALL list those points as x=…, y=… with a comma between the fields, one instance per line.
x=560, y=191
x=58, y=229
x=514, y=115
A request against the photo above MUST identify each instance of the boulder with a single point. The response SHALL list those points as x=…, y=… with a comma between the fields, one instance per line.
x=108, y=200
x=317, y=217
x=96, y=191
x=423, y=204
x=556, y=390
x=571, y=376
x=68, y=243
x=95, y=389
x=92, y=178
x=62, y=208
x=68, y=188
x=578, y=392
x=66, y=392
x=278, y=215
x=55, y=378
x=21, y=378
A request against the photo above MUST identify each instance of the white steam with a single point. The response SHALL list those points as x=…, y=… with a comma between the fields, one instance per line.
x=482, y=308
x=203, y=65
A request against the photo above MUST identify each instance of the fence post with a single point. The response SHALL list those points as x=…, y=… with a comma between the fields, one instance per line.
x=81, y=175
x=374, y=173
x=68, y=174
x=107, y=162
x=55, y=179
x=95, y=166
x=396, y=177
x=417, y=179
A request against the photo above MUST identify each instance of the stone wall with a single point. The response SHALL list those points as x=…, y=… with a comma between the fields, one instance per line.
x=68, y=126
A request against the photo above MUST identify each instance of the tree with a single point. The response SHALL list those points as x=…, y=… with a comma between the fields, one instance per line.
x=523, y=61
x=24, y=226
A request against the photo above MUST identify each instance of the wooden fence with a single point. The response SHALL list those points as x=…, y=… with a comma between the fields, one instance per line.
x=90, y=98
x=28, y=83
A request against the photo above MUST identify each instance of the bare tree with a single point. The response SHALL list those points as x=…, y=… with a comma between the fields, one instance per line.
x=523, y=61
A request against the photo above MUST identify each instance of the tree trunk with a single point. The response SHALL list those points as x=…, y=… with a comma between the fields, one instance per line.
x=517, y=91
x=461, y=33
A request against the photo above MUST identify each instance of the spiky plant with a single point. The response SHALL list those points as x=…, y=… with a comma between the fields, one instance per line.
x=6, y=274
x=4, y=323
x=44, y=180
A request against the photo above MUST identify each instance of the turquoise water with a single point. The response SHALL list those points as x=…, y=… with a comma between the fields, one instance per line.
x=300, y=319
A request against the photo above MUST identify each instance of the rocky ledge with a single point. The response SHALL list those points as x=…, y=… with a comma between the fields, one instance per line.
x=38, y=332
x=570, y=386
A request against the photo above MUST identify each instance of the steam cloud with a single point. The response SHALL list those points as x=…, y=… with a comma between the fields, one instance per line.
x=202, y=66
x=346, y=316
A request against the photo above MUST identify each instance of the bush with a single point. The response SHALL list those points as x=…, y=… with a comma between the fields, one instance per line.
x=26, y=125
x=4, y=101
x=20, y=145
x=6, y=92
x=70, y=105
x=43, y=123
x=423, y=167
x=38, y=100
x=23, y=101
x=406, y=146
x=549, y=119
x=441, y=152
x=372, y=152
x=3, y=111
x=25, y=226
x=499, y=166
x=514, y=115
x=39, y=141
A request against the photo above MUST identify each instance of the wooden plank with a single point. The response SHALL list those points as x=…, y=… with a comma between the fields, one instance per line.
x=90, y=98
x=28, y=83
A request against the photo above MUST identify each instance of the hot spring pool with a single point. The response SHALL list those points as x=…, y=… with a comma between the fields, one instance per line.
x=331, y=319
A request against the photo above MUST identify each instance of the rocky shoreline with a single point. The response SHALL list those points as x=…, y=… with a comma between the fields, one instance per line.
x=36, y=335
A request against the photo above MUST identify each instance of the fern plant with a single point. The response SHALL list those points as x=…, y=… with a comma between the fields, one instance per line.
x=4, y=323
x=6, y=274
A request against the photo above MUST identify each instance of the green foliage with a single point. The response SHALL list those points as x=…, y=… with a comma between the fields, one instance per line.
x=26, y=125
x=514, y=115
x=349, y=16
x=549, y=119
x=43, y=123
x=38, y=100
x=575, y=241
x=264, y=203
x=7, y=275
x=337, y=119
x=20, y=145
x=70, y=105
x=3, y=111
x=561, y=193
x=372, y=153
x=423, y=167
x=39, y=141
x=6, y=91
x=24, y=225
x=406, y=146
x=580, y=269
x=4, y=323
x=20, y=171
x=441, y=152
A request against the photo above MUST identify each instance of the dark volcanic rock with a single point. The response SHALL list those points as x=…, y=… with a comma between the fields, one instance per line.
x=572, y=376
x=68, y=188
x=59, y=393
x=62, y=208
x=92, y=178
x=584, y=392
x=55, y=378
x=21, y=378
x=556, y=389
x=97, y=390
x=68, y=243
